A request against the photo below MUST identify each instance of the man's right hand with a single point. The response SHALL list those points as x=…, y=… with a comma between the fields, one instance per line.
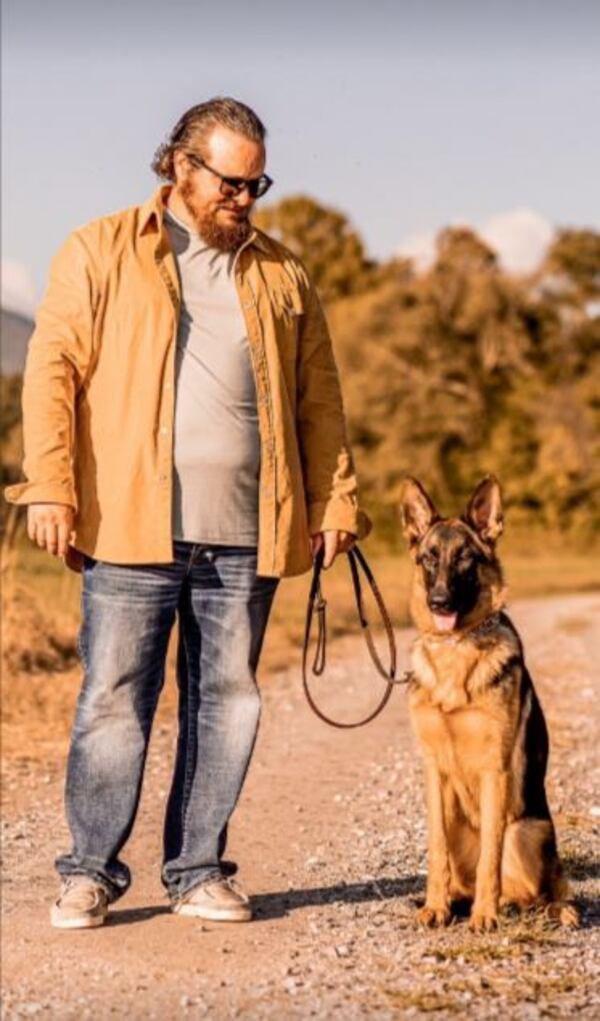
x=50, y=525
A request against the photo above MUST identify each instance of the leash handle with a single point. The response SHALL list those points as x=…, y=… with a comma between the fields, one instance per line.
x=316, y=601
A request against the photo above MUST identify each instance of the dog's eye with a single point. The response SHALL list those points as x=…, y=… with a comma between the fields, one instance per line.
x=465, y=561
x=428, y=560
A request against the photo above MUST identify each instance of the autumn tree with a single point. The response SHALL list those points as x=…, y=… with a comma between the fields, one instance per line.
x=576, y=254
x=464, y=370
x=324, y=239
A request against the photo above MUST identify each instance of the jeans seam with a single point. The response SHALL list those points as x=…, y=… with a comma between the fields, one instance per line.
x=187, y=780
x=190, y=559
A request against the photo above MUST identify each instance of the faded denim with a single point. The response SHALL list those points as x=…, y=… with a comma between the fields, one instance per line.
x=128, y=612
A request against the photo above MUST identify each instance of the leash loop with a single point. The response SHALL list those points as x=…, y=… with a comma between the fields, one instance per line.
x=317, y=602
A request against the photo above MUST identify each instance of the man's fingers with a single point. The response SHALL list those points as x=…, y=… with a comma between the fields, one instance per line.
x=49, y=526
x=335, y=541
x=52, y=537
x=331, y=547
x=64, y=532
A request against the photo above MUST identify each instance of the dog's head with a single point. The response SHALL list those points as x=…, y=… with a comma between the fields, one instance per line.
x=458, y=579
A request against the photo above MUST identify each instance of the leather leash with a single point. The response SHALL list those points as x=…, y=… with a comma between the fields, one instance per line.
x=316, y=601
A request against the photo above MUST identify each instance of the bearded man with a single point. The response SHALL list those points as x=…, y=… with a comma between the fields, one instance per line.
x=185, y=448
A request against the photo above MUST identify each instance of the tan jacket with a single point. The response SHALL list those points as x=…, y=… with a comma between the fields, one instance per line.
x=98, y=396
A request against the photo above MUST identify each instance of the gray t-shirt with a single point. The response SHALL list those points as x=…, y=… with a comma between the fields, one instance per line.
x=217, y=441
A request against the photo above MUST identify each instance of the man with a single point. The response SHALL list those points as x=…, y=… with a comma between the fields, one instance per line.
x=185, y=448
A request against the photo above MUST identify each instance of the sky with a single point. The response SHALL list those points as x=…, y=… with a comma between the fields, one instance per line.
x=407, y=115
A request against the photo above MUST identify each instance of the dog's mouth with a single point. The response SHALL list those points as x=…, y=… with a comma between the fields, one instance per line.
x=445, y=621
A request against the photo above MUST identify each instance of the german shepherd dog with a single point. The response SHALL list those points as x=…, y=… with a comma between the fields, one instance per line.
x=478, y=720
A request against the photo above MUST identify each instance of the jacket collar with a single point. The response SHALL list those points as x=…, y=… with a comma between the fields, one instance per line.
x=152, y=212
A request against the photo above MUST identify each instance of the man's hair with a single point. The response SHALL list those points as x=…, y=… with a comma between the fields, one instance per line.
x=194, y=128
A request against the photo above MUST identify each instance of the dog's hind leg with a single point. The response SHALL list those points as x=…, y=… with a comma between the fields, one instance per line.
x=532, y=874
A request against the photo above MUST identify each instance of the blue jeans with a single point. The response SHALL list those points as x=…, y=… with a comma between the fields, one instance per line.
x=128, y=612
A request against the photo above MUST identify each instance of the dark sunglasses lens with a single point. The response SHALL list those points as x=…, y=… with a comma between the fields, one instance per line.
x=257, y=186
x=254, y=186
x=229, y=187
x=260, y=187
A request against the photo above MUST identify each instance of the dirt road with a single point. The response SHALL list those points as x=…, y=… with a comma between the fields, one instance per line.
x=330, y=838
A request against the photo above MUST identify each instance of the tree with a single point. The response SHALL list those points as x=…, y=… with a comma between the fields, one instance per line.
x=323, y=238
x=465, y=370
x=576, y=253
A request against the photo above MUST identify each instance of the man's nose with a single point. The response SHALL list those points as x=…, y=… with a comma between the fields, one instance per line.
x=244, y=198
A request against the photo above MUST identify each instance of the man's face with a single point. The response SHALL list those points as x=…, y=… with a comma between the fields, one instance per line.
x=223, y=221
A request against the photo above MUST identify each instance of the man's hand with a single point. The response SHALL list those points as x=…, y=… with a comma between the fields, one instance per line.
x=335, y=542
x=50, y=525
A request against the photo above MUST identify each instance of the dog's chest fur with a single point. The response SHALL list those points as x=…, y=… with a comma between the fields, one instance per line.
x=464, y=706
x=453, y=672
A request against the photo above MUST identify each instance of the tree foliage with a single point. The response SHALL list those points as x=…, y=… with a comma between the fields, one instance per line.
x=576, y=254
x=465, y=370
x=324, y=239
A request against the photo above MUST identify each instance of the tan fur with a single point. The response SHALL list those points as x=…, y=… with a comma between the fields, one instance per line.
x=468, y=707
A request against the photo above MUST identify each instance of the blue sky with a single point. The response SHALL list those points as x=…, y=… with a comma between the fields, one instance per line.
x=405, y=115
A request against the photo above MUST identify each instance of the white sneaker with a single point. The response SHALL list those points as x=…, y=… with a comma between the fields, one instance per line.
x=82, y=904
x=219, y=900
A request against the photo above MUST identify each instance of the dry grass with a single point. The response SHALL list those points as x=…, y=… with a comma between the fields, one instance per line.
x=40, y=603
x=542, y=571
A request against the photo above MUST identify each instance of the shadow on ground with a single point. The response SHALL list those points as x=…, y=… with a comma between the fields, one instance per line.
x=281, y=903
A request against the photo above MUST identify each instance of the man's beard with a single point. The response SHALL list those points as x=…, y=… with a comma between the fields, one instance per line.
x=225, y=239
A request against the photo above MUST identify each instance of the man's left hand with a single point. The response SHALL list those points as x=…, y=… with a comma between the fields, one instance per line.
x=335, y=542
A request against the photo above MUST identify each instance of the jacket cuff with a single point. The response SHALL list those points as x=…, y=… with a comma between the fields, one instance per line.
x=41, y=492
x=338, y=513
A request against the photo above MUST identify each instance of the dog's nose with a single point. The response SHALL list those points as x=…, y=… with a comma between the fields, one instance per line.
x=439, y=600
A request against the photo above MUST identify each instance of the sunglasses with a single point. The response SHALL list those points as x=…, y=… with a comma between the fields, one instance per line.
x=230, y=186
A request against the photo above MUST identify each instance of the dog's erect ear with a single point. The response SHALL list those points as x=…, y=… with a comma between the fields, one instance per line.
x=417, y=512
x=484, y=512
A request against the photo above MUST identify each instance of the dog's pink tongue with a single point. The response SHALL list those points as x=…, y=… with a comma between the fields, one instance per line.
x=445, y=621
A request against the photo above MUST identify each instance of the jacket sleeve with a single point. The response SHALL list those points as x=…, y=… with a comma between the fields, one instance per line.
x=58, y=358
x=329, y=474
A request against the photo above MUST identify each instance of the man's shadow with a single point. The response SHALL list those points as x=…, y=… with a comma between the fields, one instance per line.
x=281, y=903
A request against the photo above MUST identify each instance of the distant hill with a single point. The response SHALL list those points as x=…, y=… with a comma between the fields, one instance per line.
x=15, y=331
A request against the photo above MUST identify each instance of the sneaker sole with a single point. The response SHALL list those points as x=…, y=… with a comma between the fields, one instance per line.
x=92, y=922
x=193, y=911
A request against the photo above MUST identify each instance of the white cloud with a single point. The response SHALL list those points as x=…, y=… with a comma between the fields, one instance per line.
x=18, y=288
x=519, y=236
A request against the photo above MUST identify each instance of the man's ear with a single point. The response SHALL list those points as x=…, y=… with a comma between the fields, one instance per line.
x=484, y=512
x=417, y=512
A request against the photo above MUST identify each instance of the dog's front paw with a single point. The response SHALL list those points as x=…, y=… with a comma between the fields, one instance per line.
x=434, y=918
x=485, y=920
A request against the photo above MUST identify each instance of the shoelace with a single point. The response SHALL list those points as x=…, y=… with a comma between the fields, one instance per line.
x=82, y=892
x=231, y=884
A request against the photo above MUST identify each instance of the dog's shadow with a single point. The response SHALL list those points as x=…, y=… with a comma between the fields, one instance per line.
x=581, y=868
x=281, y=903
